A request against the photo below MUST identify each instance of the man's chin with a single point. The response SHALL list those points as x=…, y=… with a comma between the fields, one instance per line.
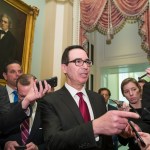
x=84, y=81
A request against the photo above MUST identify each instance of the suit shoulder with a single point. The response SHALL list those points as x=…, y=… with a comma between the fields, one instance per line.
x=2, y=87
x=95, y=94
x=3, y=90
x=54, y=95
x=111, y=107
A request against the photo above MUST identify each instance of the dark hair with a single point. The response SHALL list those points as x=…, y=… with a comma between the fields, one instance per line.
x=65, y=56
x=9, y=62
x=102, y=89
x=142, y=81
x=126, y=81
x=24, y=79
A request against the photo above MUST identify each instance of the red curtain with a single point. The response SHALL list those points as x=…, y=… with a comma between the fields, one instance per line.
x=94, y=16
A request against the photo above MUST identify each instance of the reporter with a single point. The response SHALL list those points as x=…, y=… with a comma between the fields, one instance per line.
x=131, y=90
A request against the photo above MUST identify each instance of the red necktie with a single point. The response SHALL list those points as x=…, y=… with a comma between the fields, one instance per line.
x=83, y=108
x=25, y=130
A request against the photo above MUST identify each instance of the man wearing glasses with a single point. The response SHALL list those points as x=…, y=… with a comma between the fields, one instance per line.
x=75, y=118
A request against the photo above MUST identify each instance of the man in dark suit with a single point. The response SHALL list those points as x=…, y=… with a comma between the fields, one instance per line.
x=105, y=92
x=16, y=115
x=35, y=141
x=21, y=111
x=64, y=124
x=12, y=70
x=8, y=43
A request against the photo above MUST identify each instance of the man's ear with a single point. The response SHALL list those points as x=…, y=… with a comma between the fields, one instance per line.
x=64, y=68
x=4, y=75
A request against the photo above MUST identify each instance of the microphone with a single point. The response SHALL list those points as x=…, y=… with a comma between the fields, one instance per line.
x=142, y=76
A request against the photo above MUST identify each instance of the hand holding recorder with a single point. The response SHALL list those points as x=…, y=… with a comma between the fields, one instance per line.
x=51, y=81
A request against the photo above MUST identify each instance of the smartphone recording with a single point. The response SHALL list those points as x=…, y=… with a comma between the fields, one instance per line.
x=51, y=81
x=137, y=135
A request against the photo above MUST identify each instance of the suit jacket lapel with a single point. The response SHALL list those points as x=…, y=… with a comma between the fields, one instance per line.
x=91, y=99
x=36, y=124
x=96, y=102
x=66, y=97
x=4, y=101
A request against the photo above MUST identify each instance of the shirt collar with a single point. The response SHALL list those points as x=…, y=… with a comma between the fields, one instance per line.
x=3, y=30
x=9, y=89
x=73, y=91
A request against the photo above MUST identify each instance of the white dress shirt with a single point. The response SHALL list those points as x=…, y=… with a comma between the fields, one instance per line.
x=74, y=92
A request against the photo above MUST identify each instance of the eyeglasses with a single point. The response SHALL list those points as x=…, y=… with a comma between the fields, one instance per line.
x=80, y=62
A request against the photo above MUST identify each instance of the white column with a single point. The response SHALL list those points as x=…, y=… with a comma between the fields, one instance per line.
x=58, y=40
x=76, y=21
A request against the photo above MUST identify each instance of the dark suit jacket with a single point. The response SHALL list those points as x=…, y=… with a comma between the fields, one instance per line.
x=36, y=134
x=9, y=118
x=110, y=107
x=10, y=115
x=9, y=121
x=8, y=49
x=146, y=95
x=5, y=105
x=15, y=116
x=64, y=127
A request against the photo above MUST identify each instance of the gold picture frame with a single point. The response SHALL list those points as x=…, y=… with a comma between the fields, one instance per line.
x=23, y=19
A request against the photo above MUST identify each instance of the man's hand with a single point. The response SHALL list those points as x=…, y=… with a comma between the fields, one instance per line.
x=146, y=139
x=112, y=122
x=128, y=131
x=10, y=145
x=31, y=146
x=35, y=94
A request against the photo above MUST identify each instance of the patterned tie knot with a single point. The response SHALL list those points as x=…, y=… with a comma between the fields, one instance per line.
x=15, y=96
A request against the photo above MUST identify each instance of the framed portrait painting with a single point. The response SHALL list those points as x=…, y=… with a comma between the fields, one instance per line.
x=17, y=21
